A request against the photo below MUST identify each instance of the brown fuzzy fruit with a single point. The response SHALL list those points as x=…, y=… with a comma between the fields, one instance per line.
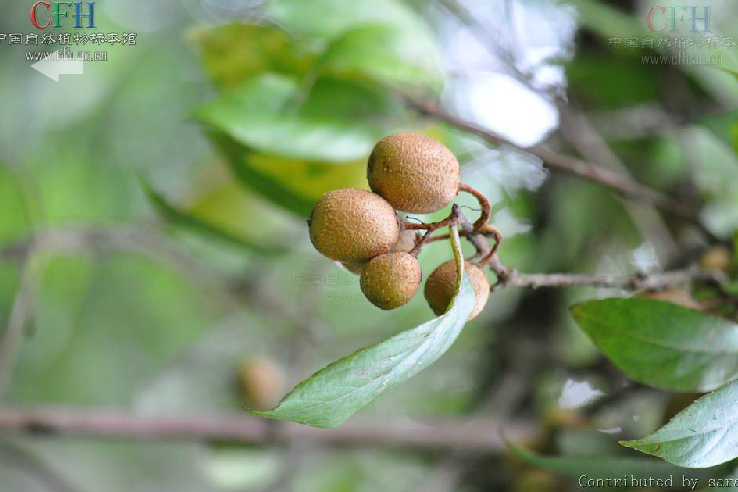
x=391, y=280
x=262, y=382
x=353, y=226
x=439, y=288
x=413, y=172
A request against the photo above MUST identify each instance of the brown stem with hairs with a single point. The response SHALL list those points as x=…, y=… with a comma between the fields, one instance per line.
x=483, y=203
x=453, y=218
x=491, y=231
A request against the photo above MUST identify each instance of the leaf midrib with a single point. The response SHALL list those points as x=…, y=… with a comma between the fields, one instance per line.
x=416, y=347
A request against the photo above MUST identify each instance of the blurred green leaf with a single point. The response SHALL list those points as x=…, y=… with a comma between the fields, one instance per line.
x=724, y=126
x=614, y=81
x=193, y=223
x=662, y=344
x=734, y=73
x=325, y=19
x=604, y=467
x=733, y=135
x=386, y=53
x=17, y=213
x=611, y=22
x=702, y=435
x=235, y=52
x=331, y=395
x=294, y=185
x=335, y=121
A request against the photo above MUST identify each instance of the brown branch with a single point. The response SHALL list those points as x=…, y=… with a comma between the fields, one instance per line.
x=576, y=128
x=653, y=281
x=476, y=237
x=491, y=231
x=453, y=218
x=473, y=435
x=598, y=174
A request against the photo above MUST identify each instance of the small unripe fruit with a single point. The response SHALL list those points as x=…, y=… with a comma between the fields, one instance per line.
x=391, y=280
x=439, y=288
x=407, y=241
x=262, y=382
x=413, y=172
x=353, y=226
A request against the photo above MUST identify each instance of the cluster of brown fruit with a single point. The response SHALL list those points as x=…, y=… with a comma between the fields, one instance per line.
x=407, y=172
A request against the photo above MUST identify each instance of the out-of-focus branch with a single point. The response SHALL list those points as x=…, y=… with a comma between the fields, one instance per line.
x=642, y=281
x=142, y=239
x=606, y=177
x=589, y=143
x=21, y=311
x=474, y=435
x=34, y=467
x=146, y=240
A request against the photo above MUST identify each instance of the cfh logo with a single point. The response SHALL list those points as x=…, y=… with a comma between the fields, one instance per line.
x=660, y=18
x=62, y=10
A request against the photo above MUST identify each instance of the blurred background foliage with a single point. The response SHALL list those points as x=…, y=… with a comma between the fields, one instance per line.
x=169, y=188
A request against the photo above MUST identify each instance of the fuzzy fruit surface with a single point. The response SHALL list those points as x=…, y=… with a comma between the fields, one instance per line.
x=391, y=280
x=353, y=226
x=439, y=288
x=413, y=172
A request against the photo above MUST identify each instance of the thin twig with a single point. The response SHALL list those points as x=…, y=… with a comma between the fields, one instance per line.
x=453, y=218
x=508, y=277
x=612, y=179
x=476, y=436
x=483, y=203
x=21, y=311
x=491, y=231
x=577, y=129
x=147, y=240
x=36, y=468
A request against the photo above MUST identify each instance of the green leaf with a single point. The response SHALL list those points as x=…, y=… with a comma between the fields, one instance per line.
x=613, y=467
x=616, y=81
x=384, y=53
x=189, y=221
x=662, y=344
x=610, y=22
x=293, y=184
x=331, y=395
x=724, y=126
x=702, y=435
x=337, y=121
x=325, y=19
x=235, y=52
